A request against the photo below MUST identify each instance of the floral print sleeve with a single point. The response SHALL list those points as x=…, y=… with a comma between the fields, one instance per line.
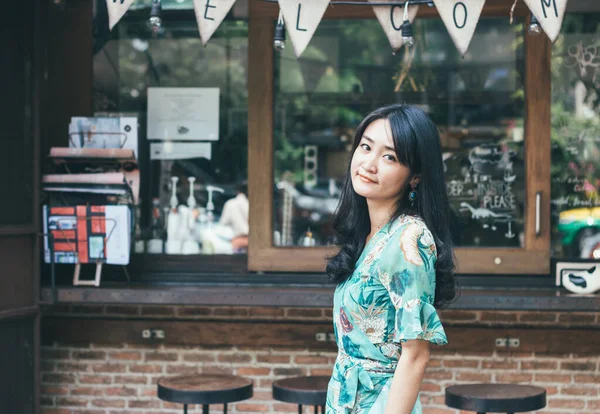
x=407, y=270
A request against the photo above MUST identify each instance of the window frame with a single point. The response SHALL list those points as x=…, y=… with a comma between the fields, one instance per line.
x=263, y=256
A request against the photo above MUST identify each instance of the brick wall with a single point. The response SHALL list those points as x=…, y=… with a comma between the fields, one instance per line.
x=117, y=379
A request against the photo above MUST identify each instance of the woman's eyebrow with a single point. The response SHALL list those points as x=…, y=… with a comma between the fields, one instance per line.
x=372, y=142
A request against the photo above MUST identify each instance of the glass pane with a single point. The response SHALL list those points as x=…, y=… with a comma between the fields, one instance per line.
x=213, y=217
x=348, y=70
x=576, y=138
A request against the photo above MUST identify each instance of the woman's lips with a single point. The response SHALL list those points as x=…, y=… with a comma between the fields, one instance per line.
x=365, y=179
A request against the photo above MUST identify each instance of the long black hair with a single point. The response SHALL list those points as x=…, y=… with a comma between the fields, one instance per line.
x=417, y=145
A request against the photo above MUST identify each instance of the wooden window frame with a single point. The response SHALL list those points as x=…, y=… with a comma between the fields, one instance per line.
x=263, y=256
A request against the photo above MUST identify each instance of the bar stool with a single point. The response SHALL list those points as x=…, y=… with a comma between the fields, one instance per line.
x=305, y=390
x=496, y=398
x=204, y=390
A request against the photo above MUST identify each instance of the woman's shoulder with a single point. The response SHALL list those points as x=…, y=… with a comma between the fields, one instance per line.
x=412, y=235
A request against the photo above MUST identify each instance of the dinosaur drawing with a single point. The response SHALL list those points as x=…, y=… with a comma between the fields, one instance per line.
x=484, y=213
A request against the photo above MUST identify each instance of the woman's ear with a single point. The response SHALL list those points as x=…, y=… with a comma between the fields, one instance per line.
x=415, y=180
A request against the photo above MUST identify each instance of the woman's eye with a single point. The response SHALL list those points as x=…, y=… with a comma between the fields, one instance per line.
x=365, y=147
x=390, y=157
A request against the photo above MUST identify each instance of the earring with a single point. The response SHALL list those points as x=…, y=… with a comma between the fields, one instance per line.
x=412, y=195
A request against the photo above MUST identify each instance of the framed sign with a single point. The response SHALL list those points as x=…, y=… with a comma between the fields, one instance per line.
x=578, y=275
x=183, y=114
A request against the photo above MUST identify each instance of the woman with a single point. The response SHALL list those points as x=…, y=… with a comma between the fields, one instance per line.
x=395, y=264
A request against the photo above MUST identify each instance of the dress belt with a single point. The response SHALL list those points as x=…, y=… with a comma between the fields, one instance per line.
x=355, y=371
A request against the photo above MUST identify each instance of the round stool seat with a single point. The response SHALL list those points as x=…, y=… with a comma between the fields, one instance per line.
x=496, y=398
x=204, y=389
x=308, y=390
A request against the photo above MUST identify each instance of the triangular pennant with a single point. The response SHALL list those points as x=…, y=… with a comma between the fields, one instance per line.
x=550, y=14
x=391, y=19
x=460, y=19
x=301, y=20
x=116, y=10
x=209, y=15
x=312, y=71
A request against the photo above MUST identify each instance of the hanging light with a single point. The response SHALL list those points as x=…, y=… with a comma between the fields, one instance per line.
x=155, y=21
x=534, y=26
x=407, y=31
x=279, y=38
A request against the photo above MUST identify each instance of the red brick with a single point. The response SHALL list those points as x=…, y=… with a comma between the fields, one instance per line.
x=265, y=396
x=578, y=318
x=498, y=316
x=514, y=378
x=108, y=403
x=94, y=379
x=47, y=366
x=52, y=390
x=321, y=371
x=457, y=315
x=199, y=358
x=72, y=367
x=146, y=369
x=230, y=311
x=471, y=377
x=591, y=379
x=183, y=369
x=328, y=313
x=266, y=312
x=149, y=392
x=539, y=365
x=217, y=369
x=579, y=391
x=439, y=375
x=499, y=365
x=89, y=355
x=120, y=392
x=552, y=378
x=578, y=366
x=565, y=403
x=538, y=317
x=308, y=360
x=304, y=313
x=460, y=363
x=161, y=356
x=58, y=378
x=264, y=383
x=125, y=356
x=46, y=401
x=71, y=402
x=46, y=410
x=87, y=391
x=109, y=368
x=122, y=310
x=131, y=379
x=289, y=372
x=593, y=405
x=433, y=363
x=430, y=387
x=253, y=408
x=273, y=359
x=191, y=311
x=234, y=358
x=158, y=311
x=285, y=408
x=143, y=404
x=251, y=371
x=50, y=353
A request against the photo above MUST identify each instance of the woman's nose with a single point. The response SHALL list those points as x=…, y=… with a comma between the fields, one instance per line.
x=370, y=165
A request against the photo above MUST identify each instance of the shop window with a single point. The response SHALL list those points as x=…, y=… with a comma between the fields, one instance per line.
x=478, y=103
x=576, y=138
x=193, y=181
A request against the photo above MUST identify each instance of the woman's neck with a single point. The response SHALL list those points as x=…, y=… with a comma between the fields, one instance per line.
x=379, y=214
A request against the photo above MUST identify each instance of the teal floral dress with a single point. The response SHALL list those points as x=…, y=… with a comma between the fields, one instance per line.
x=387, y=300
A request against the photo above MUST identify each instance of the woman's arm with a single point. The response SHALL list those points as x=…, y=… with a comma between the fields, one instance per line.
x=408, y=376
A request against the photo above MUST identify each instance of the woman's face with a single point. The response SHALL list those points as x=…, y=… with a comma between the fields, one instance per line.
x=376, y=172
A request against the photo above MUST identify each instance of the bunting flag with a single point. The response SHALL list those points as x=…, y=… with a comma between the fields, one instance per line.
x=312, y=71
x=116, y=10
x=209, y=15
x=391, y=19
x=301, y=20
x=550, y=14
x=460, y=19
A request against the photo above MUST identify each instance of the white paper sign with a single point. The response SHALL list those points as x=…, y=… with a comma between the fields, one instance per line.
x=391, y=19
x=209, y=15
x=301, y=20
x=460, y=19
x=116, y=10
x=169, y=150
x=183, y=114
x=550, y=14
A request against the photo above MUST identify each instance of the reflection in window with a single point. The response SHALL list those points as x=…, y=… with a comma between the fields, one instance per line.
x=348, y=70
x=194, y=191
x=576, y=138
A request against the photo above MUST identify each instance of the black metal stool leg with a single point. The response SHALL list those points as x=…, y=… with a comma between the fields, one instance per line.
x=316, y=409
x=322, y=409
x=299, y=408
x=205, y=409
x=225, y=408
x=185, y=409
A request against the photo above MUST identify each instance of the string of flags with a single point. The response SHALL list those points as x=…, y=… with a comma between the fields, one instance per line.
x=300, y=18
